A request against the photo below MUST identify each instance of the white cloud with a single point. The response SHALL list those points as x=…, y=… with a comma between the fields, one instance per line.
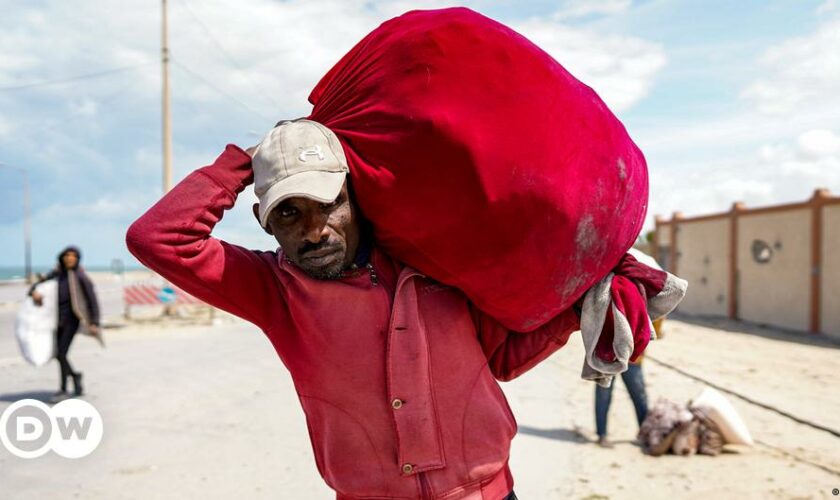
x=621, y=69
x=818, y=143
x=84, y=107
x=779, y=143
x=79, y=138
x=781, y=172
x=393, y=8
x=812, y=161
x=5, y=127
x=581, y=8
x=279, y=50
x=827, y=6
x=779, y=148
x=802, y=72
x=104, y=208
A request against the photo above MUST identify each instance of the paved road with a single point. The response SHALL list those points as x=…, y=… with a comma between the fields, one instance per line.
x=210, y=412
x=195, y=412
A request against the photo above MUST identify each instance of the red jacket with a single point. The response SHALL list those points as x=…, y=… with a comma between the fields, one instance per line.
x=395, y=372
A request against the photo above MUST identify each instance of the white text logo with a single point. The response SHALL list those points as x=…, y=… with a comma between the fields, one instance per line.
x=72, y=428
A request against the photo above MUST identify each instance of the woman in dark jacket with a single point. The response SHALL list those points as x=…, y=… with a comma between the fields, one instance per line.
x=77, y=305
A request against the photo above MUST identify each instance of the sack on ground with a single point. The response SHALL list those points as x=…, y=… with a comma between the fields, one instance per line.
x=716, y=408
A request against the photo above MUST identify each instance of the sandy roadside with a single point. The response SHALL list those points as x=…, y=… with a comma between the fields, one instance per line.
x=788, y=371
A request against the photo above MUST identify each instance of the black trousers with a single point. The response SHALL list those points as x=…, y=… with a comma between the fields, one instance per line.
x=512, y=496
x=67, y=329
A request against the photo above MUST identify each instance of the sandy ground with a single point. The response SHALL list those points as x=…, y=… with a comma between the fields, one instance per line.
x=792, y=372
x=210, y=412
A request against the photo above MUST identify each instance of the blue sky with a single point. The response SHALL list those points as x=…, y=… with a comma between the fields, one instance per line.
x=730, y=101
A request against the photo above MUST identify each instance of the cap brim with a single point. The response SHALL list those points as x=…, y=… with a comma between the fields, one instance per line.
x=316, y=185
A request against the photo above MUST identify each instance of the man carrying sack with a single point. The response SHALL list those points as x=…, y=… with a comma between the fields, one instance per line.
x=396, y=373
x=395, y=365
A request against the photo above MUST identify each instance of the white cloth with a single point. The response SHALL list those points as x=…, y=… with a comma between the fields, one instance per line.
x=597, y=301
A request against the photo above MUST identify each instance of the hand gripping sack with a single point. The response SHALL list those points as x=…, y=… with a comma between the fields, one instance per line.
x=483, y=163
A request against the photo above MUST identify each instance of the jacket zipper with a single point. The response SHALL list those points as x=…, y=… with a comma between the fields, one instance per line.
x=425, y=489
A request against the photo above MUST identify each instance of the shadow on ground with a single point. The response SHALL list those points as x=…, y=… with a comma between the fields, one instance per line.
x=768, y=332
x=568, y=435
x=43, y=396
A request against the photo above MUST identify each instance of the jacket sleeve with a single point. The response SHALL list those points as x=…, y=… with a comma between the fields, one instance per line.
x=510, y=354
x=173, y=238
x=92, y=300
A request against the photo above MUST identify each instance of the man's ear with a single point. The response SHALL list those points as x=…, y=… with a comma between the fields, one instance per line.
x=256, y=209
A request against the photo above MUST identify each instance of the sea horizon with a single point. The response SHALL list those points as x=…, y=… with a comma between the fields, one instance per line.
x=15, y=273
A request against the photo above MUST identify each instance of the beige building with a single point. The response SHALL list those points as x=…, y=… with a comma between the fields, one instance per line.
x=776, y=265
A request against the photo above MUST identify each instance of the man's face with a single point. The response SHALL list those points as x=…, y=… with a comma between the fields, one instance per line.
x=70, y=260
x=321, y=238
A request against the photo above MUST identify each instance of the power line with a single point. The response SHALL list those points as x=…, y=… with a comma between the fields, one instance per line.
x=75, y=78
x=226, y=54
x=217, y=89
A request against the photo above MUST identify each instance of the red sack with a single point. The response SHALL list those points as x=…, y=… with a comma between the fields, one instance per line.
x=483, y=163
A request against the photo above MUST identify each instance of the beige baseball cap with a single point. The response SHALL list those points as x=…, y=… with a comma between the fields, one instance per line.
x=298, y=158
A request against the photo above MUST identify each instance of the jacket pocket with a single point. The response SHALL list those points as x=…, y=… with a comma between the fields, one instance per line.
x=344, y=450
x=488, y=427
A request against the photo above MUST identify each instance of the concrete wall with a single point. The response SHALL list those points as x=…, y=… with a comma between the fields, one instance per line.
x=831, y=271
x=775, y=292
x=703, y=260
x=664, y=236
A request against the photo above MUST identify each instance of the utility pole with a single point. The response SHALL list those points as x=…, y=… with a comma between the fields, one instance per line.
x=167, y=125
x=27, y=228
x=167, y=121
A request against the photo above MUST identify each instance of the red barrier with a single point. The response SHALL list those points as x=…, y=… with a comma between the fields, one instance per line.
x=143, y=294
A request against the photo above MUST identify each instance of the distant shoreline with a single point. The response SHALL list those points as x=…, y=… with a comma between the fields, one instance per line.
x=13, y=275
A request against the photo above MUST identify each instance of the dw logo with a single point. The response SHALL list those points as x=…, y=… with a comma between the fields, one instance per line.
x=30, y=428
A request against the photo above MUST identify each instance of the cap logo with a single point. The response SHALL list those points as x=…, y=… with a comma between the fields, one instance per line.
x=313, y=151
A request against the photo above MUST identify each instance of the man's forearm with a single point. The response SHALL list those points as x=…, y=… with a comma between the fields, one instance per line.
x=510, y=354
x=174, y=236
x=176, y=227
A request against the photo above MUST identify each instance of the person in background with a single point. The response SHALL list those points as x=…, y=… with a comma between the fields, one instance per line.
x=77, y=306
x=635, y=382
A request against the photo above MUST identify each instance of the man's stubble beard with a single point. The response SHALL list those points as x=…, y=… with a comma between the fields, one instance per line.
x=332, y=272
x=325, y=274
